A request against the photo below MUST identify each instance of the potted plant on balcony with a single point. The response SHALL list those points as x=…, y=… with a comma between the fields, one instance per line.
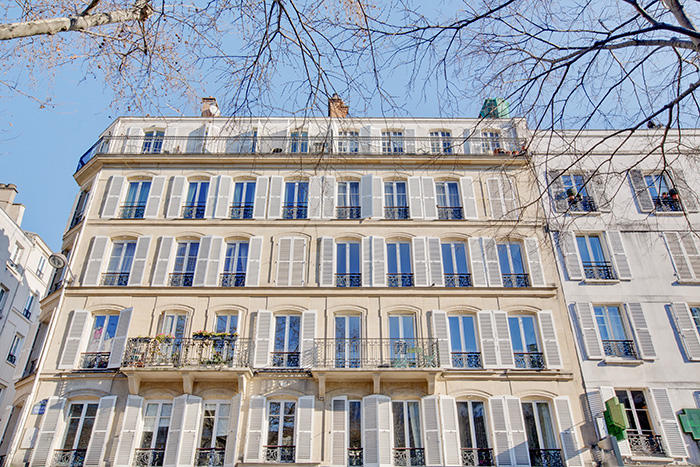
x=200, y=335
x=162, y=337
x=674, y=194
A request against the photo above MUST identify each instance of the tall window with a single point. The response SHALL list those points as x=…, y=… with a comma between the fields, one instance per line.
x=296, y=200
x=577, y=194
x=399, y=272
x=120, y=263
x=455, y=265
x=79, y=209
x=348, y=272
x=196, y=203
x=27, y=312
x=286, y=350
x=664, y=196
x=174, y=325
x=15, y=347
x=156, y=423
x=441, y=142
x=299, y=142
x=392, y=142
x=490, y=141
x=348, y=141
x=510, y=258
x=402, y=334
x=541, y=438
x=185, y=262
x=101, y=340
x=280, y=431
x=136, y=199
x=227, y=323
x=347, y=342
x=81, y=418
x=153, y=142
x=595, y=265
x=243, y=199
x=408, y=442
x=3, y=295
x=523, y=337
x=395, y=200
x=355, y=433
x=212, y=444
x=611, y=327
x=640, y=434
x=465, y=351
x=16, y=255
x=348, y=200
x=473, y=434
x=40, y=267
x=449, y=203
x=235, y=264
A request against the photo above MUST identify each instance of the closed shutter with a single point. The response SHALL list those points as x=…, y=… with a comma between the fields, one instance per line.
x=672, y=436
x=327, y=262
x=687, y=195
x=260, y=203
x=212, y=143
x=284, y=261
x=505, y=348
x=94, y=265
x=680, y=261
x=589, y=331
x=441, y=332
x=223, y=197
x=27, y=349
x=431, y=427
x=172, y=444
x=119, y=341
x=263, y=338
x=687, y=329
x=567, y=431
x=274, y=210
x=468, y=198
x=188, y=436
x=305, y=429
x=112, y=197
x=138, y=266
x=450, y=433
x=429, y=199
x=556, y=191
x=100, y=431
x=177, y=193
x=501, y=435
x=436, y=277
x=127, y=434
x=195, y=141
x=252, y=275
x=160, y=273
x=200, y=270
x=50, y=426
x=635, y=313
x=534, y=261
x=367, y=262
x=639, y=187
x=478, y=266
x=549, y=339
x=378, y=262
x=339, y=429
x=415, y=198
x=487, y=333
x=298, y=274
x=308, y=338
x=376, y=441
x=315, y=197
x=521, y=452
x=234, y=421
x=493, y=266
x=155, y=195
x=328, y=197
x=496, y=201
x=619, y=256
x=73, y=343
x=569, y=251
x=256, y=424
x=420, y=261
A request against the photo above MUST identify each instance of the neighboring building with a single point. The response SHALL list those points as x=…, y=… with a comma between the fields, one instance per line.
x=384, y=289
x=24, y=273
x=630, y=270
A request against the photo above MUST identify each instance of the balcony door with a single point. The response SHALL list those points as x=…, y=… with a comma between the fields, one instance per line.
x=81, y=418
x=399, y=267
x=455, y=265
x=473, y=433
x=286, y=350
x=510, y=258
x=541, y=438
x=235, y=264
x=196, y=200
x=347, y=342
x=348, y=272
x=136, y=199
x=465, y=351
x=280, y=432
x=408, y=443
x=119, y=265
x=523, y=337
x=402, y=340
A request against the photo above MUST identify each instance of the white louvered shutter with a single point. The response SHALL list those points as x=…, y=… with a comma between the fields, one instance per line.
x=410, y=140
x=177, y=193
x=429, y=198
x=308, y=338
x=687, y=329
x=223, y=197
x=339, y=429
x=234, y=421
x=639, y=186
x=691, y=251
x=366, y=198
x=378, y=262
x=431, y=427
x=263, y=338
x=328, y=197
x=505, y=348
x=100, y=431
x=415, y=198
x=478, y=265
x=94, y=266
x=160, y=273
x=377, y=198
x=496, y=201
x=420, y=261
x=501, y=434
x=572, y=259
x=376, y=441
x=188, y=436
x=216, y=251
x=195, y=141
x=619, y=256
x=466, y=185
x=155, y=195
x=112, y=197
x=134, y=141
x=252, y=275
x=365, y=140
x=367, y=262
x=315, y=197
x=688, y=195
x=256, y=425
x=305, y=429
x=127, y=434
x=635, y=313
x=138, y=265
x=567, y=431
x=534, y=261
x=589, y=331
x=172, y=444
x=298, y=270
x=171, y=144
x=556, y=191
x=450, y=433
x=212, y=196
x=327, y=262
x=521, y=452
x=545, y=318
x=436, y=277
x=487, y=333
x=200, y=270
x=672, y=436
x=284, y=261
x=681, y=262
x=27, y=349
x=6, y=415
x=119, y=340
x=274, y=210
x=73, y=343
x=441, y=332
x=509, y=199
x=51, y=423
x=260, y=203
x=493, y=265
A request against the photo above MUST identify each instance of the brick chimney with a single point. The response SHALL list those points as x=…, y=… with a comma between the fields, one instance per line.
x=8, y=191
x=209, y=107
x=336, y=107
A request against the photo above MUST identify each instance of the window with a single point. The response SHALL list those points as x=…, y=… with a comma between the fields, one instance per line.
x=100, y=342
x=280, y=431
x=156, y=423
x=613, y=333
x=408, y=443
x=348, y=200
x=119, y=265
x=296, y=200
x=136, y=199
x=541, y=438
x=491, y=141
x=81, y=419
x=27, y=312
x=16, y=255
x=441, y=142
x=153, y=142
x=640, y=433
x=395, y=200
x=15, y=347
x=449, y=203
x=243, y=199
x=576, y=193
x=235, y=264
x=455, y=265
x=510, y=259
x=286, y=350
x=196, y=203
x=399, y=272
x=694, y=312
x=348, y=272
x=348, y=141
x=4, y=291
x=348, y=333
x=402, y=337
x=212, y=444
x=595, y=265
x=227, y=323
x=473, y=434
x=174, y=325
x=39, y=268
x=465, y=351
x=664, y=198
x=355, y=433
x=392, y=142
x=299, y=142
x=79, y=209
x=523, y=337
x=185, y=262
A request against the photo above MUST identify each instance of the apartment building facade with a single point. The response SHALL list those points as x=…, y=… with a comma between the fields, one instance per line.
x=335, y=292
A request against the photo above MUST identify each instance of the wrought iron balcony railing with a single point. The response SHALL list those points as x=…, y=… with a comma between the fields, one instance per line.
x=233, y=279
x=27, y=314
x=132, y=211
x=546, y=458
x=371, y=353
x=645, y=444
x=212, y=457
x=529, y=360
x=348, y=279
x=466, y=359
x=348, y=212
x=294, y=211
x=193, y=212
x=148, y=457
x=149, y=352
x=68, y=458
x=11, y=358
x=477, y=457
x=450, y=213
x=181, y=279
x=285, y=359
x=598, y=270
x=617, y=348
x=242, y=211
x=516, y=280
x=94, y=360
x=280, y=454
x=55, y=287
x=31, y=368
x=582, y=204
x=409, y=457
x=396, y=212
x=117, y=279
x=669, y=204
x=355, y=457
x=399, y=280
x=77, y=219
x=458, y=280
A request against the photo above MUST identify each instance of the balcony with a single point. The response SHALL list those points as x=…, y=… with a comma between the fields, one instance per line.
x=399, y=280
x=242, y=211
x=152, y=352
x=68, y=457
x=355, y=457
x=348, y=212
x=458, y=280
x=93, y=360
x=667, y=204
x=396, y=212
x=232, y=279
x=193, y=212
x=285, y=359
x=211, y=457
x=622, y=349
x=148, y=457
x=646, y=445
x=529, y=360
x=546, y=458
x=477, y=457
x=132, y=211
x=466, y=359
x=370, y=353
x=515, y=280
x=181, y=279
x=294, y=211
x=449, y=213
x=582, y=204
x=348, y=280
x=280, y=454
x=600, y=270
x=115, y=279
x=409, y=457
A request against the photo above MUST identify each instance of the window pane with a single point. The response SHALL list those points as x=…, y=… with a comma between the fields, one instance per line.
x=469, y=333
x=454, y=194
x=342, y=194
x=465, y=429
x=533, y=440
x=96, y=337
x=392, y=264
x=294, y=327
x=405, y=249
x=289, y=194
x=455, y=335
x=447, y=258
x=530, y=335
x=355, y=424
x=414, y=437
x=503, y=259
x=600, y=317
x=461, y=258
x=515, y=337
x=71, y=432
x=401, y=198
x=354, y=258
x=596, y=249
x=517, y=258
x=399, y=428
x=482, y=440
x=616, y=325
x=583, y=249
x=341, y=263
x=354, y=193
x=545, y=418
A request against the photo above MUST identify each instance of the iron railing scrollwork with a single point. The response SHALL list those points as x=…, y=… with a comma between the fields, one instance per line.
x=396, y=212
x=285, y=359
x=194, y=212
x=582, y=204
x=348, y=280
x=399, y=280
x=232, y=279
x=546, y=458
x=450, y=213
x=209, y=457
x=294, y=211
x=242, y=211
x=598, y=270
x=669, y=204
x=355, y=457
x=148, y=457
x=280, y=454
x=376, y=353
x=348, y=212
x=458, y=280
x=516, y=280
x=529, y=360
x=649, y=445
x=466, y=359
x=409, y=457
x=117, y=279
x=94, y=360
x=620, y=348
x=68, y=458
x=477, y=457
x=132, y=211
x=181, y=279
x=147, y=352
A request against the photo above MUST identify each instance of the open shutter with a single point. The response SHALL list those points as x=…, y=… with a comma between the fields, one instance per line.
x=410, y=140
x=308, y=338
x=315, y=197
x=567, y=431
x=478, y=266
x=298, y=271
x=366, y=204
x=339, y=428
x=441, y=332
x=138, y=265
x=639, y=187
x=252, y=275
x=223, y=197
x=377, y=198
x=687, y=329
x=415, y=198
x=195, y=141
x=256, y=425
x=429, y=198
x=188, y=436
x=556, y=191
x=212, y=196
x=263, y=338
x=134, y=141
x=260, y=203
x=691, y=251
x=274, y=210
x=602, y=191
x=589, y=331
x=521, y=452
x=450, y=433
x=367, y=262
x=436, y=278
x=213, y=265
x=687, y=195
x=112, y=197
x=619, y=256
x=496, y=201
x=200, y=270
x=305, y=429
x=365, y=140
x=284, y=261
x=376, y=440
x=569, y=250
x=672, y=436
x=27, y=349
x=171, y=143
x=127, y=434
x=534, y=261
x=327, y=262
x=466, y=185
x=493, y=266
x=160, y=273
x=549, y=339
x=94, y=265
x=73, y=208
x=48, y=433
x=177, y=193
x=234, y=421
x=505, y=348
x=100, y=431
x=155, y=195
x=509, y=199
x=635, y=313
x=172, y=444
x=431, y=427
x=119, y=342
x=328, y=197
x=487, y=332
x=74, y=337
x=378, y=262
x=680, y=260
x=420, y=261
x=501, y=435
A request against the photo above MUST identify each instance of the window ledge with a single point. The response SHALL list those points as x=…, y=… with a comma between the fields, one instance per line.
x=670, y=213
x=662, y=460
x=601, y=281
x=622, y=361
x=688, y=282
x=583, y=213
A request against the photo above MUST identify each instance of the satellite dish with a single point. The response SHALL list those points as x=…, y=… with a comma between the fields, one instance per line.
x=58, y=261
